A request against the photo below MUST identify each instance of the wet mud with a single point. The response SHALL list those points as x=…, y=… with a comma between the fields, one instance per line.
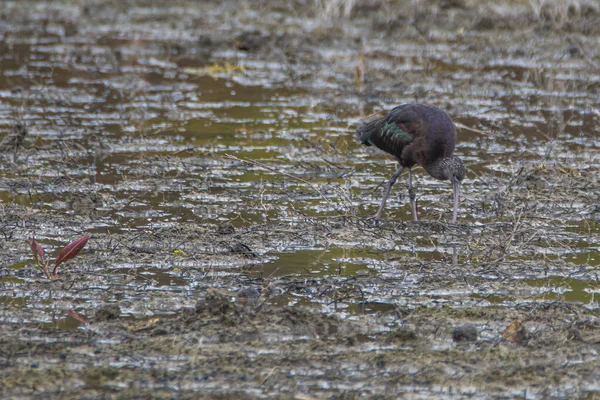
x=209, y=150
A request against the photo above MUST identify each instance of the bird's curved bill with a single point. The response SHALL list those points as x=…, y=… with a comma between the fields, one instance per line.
x=456, y=190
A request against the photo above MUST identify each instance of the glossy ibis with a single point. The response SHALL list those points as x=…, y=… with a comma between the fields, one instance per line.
x=417, y=134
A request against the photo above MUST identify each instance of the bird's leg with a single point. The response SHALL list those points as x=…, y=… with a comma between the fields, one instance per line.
x=388, y=189
x=412, y=196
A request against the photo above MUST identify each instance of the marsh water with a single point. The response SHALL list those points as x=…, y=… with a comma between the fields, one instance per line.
x=209, y=150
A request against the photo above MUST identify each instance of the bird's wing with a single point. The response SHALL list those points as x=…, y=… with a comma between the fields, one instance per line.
x=392, y=132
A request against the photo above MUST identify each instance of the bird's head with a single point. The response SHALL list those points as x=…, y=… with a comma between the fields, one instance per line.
x=450, y=168
x=456, y=169
x=453, y=169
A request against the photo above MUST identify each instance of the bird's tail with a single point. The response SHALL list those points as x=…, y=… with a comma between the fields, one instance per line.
x=366, y=132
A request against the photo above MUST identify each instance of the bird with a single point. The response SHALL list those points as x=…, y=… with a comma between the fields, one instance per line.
x=417, y=134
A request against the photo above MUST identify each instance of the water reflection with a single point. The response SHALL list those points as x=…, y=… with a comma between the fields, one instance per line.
x=127, y=137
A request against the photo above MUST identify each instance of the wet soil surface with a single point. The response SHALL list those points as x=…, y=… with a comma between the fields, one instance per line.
x=208, y=148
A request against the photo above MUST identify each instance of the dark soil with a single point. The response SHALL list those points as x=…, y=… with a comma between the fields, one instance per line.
x=209, y=150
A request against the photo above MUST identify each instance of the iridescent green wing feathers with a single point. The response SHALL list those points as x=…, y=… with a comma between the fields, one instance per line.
x=389, y=133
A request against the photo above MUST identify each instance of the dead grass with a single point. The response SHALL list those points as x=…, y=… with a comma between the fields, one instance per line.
x=560, y=14
x=333, y=10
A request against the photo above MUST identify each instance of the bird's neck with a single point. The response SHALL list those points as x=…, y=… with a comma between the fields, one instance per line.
x=440, y=168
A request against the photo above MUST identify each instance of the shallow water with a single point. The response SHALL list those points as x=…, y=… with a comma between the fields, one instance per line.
x=196, y=163
x=156, y=144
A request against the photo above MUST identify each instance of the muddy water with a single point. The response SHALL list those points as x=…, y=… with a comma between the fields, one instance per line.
x=205, y=149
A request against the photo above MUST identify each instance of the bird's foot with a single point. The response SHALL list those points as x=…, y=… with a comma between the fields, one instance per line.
x=375, y=219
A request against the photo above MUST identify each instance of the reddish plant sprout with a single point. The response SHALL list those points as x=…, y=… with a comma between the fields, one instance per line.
x=38, y=255
x=68, y=252
x=78, y=317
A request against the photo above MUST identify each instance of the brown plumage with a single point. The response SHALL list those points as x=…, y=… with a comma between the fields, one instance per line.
x=417, y=134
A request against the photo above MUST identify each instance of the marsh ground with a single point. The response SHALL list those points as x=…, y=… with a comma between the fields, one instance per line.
x=208, y=148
